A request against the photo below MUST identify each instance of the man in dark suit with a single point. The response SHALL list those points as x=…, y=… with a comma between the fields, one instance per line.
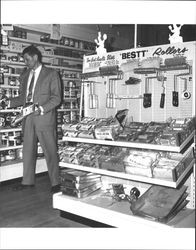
x=39, y=85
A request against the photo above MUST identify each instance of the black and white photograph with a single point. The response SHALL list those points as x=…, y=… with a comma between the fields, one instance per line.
x=97, y=124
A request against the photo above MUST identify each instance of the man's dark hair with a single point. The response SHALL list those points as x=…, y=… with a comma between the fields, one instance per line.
x=32, y=50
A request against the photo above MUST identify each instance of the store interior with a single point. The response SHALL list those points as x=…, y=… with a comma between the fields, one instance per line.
x=71, y=49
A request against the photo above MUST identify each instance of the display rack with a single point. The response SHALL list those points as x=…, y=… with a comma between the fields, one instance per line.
x=154, y=181
x=133, y=144
x=90, y=207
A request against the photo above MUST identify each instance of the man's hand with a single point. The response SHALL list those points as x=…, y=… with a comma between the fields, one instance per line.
x=38, y=110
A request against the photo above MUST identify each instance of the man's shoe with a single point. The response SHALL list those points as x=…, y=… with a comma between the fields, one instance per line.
x=55, y=189
x=21, y=187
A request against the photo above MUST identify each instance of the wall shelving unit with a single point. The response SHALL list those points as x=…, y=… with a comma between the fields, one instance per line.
x=72, y=68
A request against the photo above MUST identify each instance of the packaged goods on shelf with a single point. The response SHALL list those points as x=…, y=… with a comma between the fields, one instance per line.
x=10, y=155
x=136, y=126
x=16, y=46
x=134, y=170
x=129, y=66
x=170, y=138
x=156, y=126
x=127, y=135
x=146, y=137
x=151, y=62
x=183, y=124
x=164, y=168
x=69, y=154
x=83, y=192
x=139, y=162
x=176, y=60
x=2, y=157
x=79, y=183
x=107, y=132
x=86, y=134
x=172, y=166
x=113, y=163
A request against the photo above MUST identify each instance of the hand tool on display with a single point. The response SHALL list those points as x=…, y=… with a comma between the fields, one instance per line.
x=111, y=96
x=185, y=94
x=175, y=96
x=162, y=101
x=147, y=96
x=161, y=78
x=110, y=99
x=93, y=99
x=175, y=100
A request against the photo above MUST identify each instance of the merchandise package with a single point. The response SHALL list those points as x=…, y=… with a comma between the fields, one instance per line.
x=78, y=175
x=70, y=154
x=185, y=125
x=165, y=169
x=176, y=60
x=129, y=66
x=127, y=135
x=79, y=183
x=140, y=162
x=81, y=193
x=86, y=134
x=146, y=137
x=107, y=132
x=121, y=116
x=113, y=163
x=136, y=126
x=135, y=170
x=172, y=166
x=171, y=138
x=160, y=203
x=156, y=126
x=151, y=62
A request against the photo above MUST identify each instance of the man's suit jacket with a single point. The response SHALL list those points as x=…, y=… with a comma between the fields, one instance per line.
x=47, y=94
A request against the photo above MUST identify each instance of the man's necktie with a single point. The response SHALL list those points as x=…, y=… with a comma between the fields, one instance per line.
x=29, y=96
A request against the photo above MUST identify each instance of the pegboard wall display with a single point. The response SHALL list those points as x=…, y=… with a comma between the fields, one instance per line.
x=153, y=83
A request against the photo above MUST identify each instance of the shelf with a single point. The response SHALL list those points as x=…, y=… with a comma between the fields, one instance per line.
x=15, y=170
x=71, y=79
x=52, y=45
x=66, y=68
x=162, y=68
x=9, y=87
x=48, y=55
x=64, y=57
x=62, y=110
x=9, y=110
x=99, y=207
x=12, y=63
x=70, y=99
x=19, y=146
x=132, y=144
x=144, y=179
x=10, y=130
x=10, y=74
x=9, y=148
x=49, y=66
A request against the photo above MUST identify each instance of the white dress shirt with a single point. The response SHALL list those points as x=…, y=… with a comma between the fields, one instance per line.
x=37, y=72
